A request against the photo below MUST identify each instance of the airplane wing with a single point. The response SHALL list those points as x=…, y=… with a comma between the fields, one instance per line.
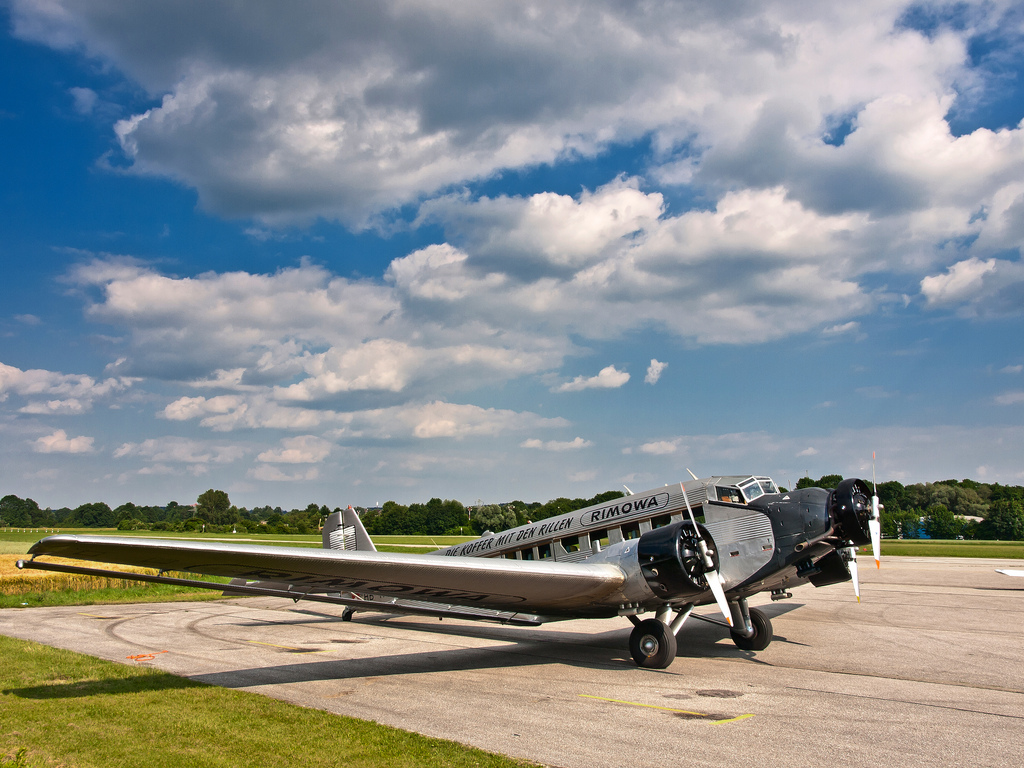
x=1010, y=572
x=543, y=588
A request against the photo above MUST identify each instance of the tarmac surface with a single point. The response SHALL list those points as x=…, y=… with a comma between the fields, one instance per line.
x=927, y=670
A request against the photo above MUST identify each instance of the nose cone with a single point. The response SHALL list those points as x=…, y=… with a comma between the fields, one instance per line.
x=850, y=511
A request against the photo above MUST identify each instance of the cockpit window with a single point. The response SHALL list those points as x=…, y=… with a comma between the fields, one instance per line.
x=767, y=485
x=752, y=490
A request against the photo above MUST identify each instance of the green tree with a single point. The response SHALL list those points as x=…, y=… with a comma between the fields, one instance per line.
x=214, y=507
x=491, y=517
x=17, y=512
x=1005, y=521
x=825, y=481
x=94, y=515
x=941, y=523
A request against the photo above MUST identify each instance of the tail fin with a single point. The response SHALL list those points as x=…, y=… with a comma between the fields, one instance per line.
x=344, y=530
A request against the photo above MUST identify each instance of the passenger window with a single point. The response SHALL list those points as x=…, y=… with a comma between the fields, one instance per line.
x=527, y=554
x=571, y=544
x=661, y=521
x=545, y=551
x=731, y=495
x=631, y=531
x=599, y=540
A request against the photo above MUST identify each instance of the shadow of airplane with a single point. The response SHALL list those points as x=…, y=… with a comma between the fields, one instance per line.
x=519, y=647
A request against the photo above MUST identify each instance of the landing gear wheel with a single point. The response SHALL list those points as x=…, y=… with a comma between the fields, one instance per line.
x=652, y=644
x=346, y=615
x=762, y=633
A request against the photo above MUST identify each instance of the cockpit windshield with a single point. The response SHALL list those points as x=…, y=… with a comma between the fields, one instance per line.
x=751, y=490
x=746, y=490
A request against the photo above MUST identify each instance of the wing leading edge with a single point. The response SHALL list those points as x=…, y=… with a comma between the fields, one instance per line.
x=544, y=588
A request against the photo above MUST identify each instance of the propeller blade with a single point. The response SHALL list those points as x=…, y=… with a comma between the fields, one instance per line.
x=875, y=527
x=715, y=582
x=713, y=577
x=852, y=562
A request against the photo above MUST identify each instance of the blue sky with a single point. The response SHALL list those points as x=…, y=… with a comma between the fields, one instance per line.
x=359, y=252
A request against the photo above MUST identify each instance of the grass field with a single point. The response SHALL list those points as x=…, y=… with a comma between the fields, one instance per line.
x=945, y=548
x=65, y=708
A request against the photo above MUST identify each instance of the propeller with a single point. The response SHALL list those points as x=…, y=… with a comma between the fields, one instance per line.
x=713, y=577
x=851, y=562
x=875, y=522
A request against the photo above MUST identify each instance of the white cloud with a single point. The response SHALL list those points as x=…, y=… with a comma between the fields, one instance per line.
x=75, y=392
x=181, y=450
x=84, y=100
x=1012, y=369
x=1010, y=398
x=961, y=281
x=305, y=449
x=608, y=377
x=978, y=288
x=59, y=442
x=65, y=407
x=654, y=371
x=405, y=98
x=661, y=447
x=556, y=445
x=808, y=452
x=271, y=473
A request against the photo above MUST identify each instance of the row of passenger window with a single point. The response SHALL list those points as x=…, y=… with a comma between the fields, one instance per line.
x=586, y=544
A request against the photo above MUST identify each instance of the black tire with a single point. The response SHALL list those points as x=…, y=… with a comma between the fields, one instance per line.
x=652, y=644
x=762, y=633
x=346, y=615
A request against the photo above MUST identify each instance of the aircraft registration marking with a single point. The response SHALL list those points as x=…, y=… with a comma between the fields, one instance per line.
x=667, y=709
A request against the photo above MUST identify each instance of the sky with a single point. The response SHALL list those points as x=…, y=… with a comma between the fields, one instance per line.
x=340, y=253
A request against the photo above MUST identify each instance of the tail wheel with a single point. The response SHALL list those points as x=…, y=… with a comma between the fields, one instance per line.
x=652, y=644
x=762, y=633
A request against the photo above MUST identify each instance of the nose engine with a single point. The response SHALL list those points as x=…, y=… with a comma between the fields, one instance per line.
x=849, y=507
x=671, y=562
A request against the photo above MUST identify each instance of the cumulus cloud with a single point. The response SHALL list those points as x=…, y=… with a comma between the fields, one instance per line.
x=75, y=393
x=181, y=450
x=354, y=109
x=976, y=287
x=273, y=474
x=435, y=419
x=654, y=371
x=305, y=449
x=661, y=447
x=608, y=377
x=556, y=445
x=59, y=442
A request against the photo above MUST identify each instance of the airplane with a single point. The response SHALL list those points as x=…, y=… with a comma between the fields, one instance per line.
x=665, y=551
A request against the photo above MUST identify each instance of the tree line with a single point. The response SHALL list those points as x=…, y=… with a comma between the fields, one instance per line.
x=947, y=509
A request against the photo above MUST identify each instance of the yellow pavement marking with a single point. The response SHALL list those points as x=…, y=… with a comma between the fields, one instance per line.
x=667, y=709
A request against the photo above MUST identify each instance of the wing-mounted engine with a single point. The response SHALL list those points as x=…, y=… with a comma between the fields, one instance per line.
x=671, y=561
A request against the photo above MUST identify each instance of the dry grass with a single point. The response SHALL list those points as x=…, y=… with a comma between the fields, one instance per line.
x=14, y=581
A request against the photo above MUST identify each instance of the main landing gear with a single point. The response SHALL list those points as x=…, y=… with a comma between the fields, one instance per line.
x=652, y=643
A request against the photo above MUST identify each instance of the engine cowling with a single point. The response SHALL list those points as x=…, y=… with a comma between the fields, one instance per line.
x=671, y=562
x=849, y=507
